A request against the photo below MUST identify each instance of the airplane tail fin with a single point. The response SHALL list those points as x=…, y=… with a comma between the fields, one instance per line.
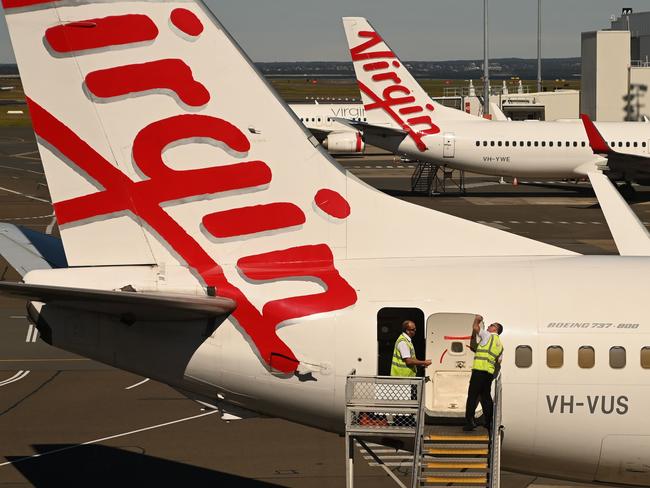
x=164, y=146
x=390, y=94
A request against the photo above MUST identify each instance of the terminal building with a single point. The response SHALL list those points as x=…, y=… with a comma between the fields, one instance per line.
x=616, y=69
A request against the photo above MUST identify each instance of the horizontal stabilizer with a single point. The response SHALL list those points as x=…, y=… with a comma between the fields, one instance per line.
x=26, y=250
x=130, y=306
x=630, y=235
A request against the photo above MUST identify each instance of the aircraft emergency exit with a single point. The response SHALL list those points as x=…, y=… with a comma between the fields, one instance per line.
x=402, y=118
x=201, y=252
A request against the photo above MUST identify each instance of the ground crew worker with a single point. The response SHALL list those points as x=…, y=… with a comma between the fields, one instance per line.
x=487, y=357
x=404, y=361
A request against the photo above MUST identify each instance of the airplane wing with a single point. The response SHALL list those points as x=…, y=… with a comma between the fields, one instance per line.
x=26, y=250
x=617, y=162
x=131, y=306
x=629, y=233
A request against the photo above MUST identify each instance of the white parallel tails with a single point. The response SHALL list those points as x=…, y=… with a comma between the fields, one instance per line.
x=390, y=94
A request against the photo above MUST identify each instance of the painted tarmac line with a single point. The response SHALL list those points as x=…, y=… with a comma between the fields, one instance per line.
x=50, y=226
x=24, y=195
x=42, y=360
x=110, y=437
x=22, y=169
x=137, y=384
x=17, y=317
x=32, y=333
x=17, y=377
x=27, y=218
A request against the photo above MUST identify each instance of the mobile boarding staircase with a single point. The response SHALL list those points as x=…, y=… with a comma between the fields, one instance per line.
x=385, y=419
x=434, y=179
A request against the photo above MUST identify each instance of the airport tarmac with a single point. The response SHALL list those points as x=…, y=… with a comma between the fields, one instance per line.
x=67, y=421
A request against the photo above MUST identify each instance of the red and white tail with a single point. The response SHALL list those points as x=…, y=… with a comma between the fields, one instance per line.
x=389, y=92
x=162, y=145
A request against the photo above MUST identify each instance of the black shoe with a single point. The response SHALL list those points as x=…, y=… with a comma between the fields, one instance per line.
x=468, y=427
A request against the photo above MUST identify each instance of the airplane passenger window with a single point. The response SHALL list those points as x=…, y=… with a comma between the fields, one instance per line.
x=499, y=143
x=575, y=144
x=620, y=144
x=583, y=143
x=507, y=143
x=554, y=356
x=567, y=144
x=559, y=143
x=612, y=144
x=636, y=144
x=543, y=143
x=491, y=143
x=627, y=144
x=643, y=144
x=617, y=357
x=457, y=347
x=536, y=143
x=521, y=143
x=523, y=356
x=550, y=144
x=586, y=357
x=645, y=357
x=478, y=143
x=485, y=143
x=528, y=143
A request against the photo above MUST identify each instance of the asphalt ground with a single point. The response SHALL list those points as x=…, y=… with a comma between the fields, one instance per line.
x=69, y=421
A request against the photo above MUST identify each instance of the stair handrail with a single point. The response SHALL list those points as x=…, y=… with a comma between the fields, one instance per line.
x=496, y=436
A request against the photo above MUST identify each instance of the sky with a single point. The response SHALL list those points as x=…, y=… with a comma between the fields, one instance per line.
x=431, y=30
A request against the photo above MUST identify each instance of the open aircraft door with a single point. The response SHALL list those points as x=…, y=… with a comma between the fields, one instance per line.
x=449, y=145
x=447, y=345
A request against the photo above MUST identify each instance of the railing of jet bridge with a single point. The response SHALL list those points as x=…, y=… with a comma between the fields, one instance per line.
x=497, y=437
x=383, y=407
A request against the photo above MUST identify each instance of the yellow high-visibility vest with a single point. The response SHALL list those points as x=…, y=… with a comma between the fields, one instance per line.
x=486, y=356
x=399, y=367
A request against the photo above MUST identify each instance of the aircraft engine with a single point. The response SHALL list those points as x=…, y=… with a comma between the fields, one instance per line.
x=344, y=142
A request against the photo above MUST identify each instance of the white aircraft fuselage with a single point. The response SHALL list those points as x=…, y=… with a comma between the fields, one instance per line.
x=525, y=149
x=576, y=423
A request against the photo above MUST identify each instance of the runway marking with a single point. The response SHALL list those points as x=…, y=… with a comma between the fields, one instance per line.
x=27, y=218
x=50, y=226
x=116, y=436
x=531, y=222
x=562, y=222
x=17, y=317
x=17, y=377
x=23, y=169
x=24, y=195
x=25, y=155
x=137, y=384
x=41, y=360
x=32, y=333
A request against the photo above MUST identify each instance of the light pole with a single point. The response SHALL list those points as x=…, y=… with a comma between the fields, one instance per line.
x=486, y=66
x=539, y=45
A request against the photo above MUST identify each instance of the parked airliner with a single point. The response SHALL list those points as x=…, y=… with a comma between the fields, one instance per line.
x=323, y=120
x=215, y=246
x=402, y=118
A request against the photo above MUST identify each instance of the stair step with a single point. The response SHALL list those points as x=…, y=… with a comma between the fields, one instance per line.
x=464, y=480
x=456, y=452
x=457, y=438
x=461, y=465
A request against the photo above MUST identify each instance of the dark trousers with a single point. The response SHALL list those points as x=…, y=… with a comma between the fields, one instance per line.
x=480, y=389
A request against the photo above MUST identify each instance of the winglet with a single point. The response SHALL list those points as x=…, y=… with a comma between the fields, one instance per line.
x=596, y=141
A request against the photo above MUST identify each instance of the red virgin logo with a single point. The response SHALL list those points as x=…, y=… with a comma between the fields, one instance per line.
x=395, y=99
x=145, y=199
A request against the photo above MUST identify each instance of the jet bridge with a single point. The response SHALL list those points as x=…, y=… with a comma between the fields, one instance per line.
x=386, y=421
